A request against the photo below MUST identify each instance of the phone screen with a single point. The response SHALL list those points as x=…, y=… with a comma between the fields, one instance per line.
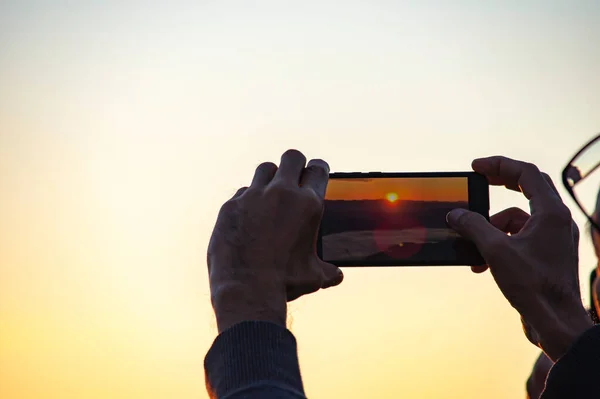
x=388, y=221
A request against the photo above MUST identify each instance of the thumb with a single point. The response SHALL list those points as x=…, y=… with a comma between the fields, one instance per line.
x=474, y=227
x=332, y=275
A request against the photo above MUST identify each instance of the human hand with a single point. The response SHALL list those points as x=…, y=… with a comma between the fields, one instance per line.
x=536, y=267
x=262, y=251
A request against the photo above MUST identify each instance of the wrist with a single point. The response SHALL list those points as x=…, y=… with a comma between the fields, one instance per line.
x=234, y=303
x=561, y=331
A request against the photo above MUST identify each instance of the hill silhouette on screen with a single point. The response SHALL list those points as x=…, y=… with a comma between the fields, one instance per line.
x=360, y=215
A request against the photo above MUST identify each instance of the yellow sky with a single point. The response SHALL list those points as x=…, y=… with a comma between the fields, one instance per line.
x=412, y=189
x=123, y=129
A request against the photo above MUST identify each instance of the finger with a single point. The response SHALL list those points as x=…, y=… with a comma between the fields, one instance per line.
x=551, y=184
x=264, y=174
x=291, y=167
x=510, y=220
x=515, y=175
x=479, y=269
x=476, y=228
x=239, y=192
x=332, y=275
x=574, y=225
x=316, y=176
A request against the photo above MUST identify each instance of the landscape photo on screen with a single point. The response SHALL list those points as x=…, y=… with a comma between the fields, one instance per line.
x=388, y=219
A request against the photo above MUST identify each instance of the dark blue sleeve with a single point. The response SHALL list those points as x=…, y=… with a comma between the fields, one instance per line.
x=254, y=359
x=577, y=374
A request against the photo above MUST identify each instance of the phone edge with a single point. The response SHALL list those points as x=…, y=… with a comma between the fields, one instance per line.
x=480, y=205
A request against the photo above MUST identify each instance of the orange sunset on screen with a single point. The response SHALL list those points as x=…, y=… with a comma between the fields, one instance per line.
x=395, y=190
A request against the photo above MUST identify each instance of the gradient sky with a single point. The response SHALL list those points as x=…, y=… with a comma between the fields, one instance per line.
x=415, y=189
x=124, y=127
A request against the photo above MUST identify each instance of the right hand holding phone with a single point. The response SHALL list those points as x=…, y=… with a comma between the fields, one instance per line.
x=536, y=266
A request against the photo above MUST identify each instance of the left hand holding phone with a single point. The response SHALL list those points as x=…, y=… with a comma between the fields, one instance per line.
x=262, y=252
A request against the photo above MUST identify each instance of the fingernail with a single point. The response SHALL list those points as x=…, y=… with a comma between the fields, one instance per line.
x=454, y=215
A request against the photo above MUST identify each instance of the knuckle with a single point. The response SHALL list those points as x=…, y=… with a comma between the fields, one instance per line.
x=283, y=193
x=565, y=213
x=530, y=168
x=560, y=214
x=305, y=198
x=516, y=212
x=239, y=192
x=550, y=183
x=547, y=177
x=281, y=189
x=229, y=207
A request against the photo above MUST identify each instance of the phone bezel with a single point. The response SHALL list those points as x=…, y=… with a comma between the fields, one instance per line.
x=479, y=201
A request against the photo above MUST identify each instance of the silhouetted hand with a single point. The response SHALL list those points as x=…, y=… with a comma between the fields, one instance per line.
x=262, y=252
x=536, y=267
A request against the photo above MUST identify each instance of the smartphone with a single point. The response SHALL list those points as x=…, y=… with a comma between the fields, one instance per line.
x=399, y=219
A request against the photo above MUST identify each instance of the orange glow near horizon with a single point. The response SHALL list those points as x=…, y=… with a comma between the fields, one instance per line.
x=451, y=189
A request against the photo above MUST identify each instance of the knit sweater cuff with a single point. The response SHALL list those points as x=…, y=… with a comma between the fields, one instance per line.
x=251, y=353
x=576, y=373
